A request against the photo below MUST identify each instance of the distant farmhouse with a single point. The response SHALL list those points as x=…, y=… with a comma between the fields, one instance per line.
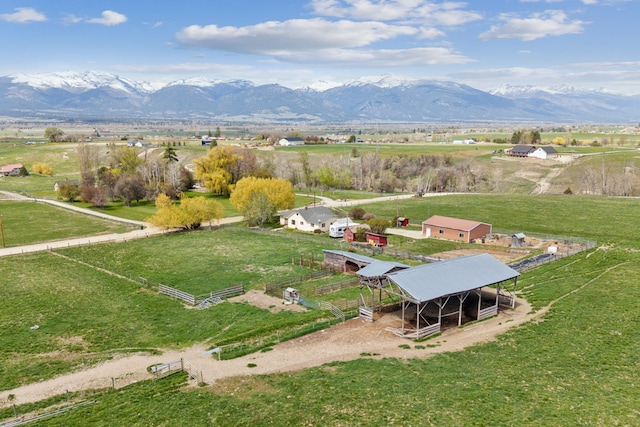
x=10, y=170
x=545, y=152
x=311, y=220
x=290, y=142
x=138, y=143
x=58, y=184
x=448, y=228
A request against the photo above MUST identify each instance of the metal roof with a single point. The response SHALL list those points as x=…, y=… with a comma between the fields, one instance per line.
x=352, y=255
x=452, y=223
x=430, y=281
x=379, y=268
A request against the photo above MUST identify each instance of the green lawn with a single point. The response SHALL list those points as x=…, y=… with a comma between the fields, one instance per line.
x=29, y=222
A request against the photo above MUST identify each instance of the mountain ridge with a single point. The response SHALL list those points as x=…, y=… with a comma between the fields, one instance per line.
x=382, y=99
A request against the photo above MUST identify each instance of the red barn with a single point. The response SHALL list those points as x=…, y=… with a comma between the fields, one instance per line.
x=455, y=229
x=402, y=221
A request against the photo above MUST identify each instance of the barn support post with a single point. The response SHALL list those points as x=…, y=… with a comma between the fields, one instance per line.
x=479, y=303
x=513, y=300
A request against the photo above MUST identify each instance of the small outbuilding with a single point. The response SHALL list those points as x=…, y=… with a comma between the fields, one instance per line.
x=374, y=239
x=402, y=221
x=454, y=229
x=518, y=240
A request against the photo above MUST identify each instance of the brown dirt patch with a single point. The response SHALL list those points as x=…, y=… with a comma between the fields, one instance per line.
x=267, y=302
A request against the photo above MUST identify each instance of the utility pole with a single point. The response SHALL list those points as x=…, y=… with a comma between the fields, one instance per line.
x=2, y=232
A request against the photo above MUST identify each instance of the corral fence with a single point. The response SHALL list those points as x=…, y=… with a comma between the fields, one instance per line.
x=22, y=420
x=202, y=301
x=165, y=369
x=177, y=294
x=275, y=289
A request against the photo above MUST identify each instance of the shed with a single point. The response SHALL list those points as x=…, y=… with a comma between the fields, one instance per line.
x=402, y=221
x=347, y=262
x=374, y=239
x=517, y=240
x=454, y=229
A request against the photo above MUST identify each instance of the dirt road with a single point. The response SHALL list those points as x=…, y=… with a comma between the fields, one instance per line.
x=346, y=341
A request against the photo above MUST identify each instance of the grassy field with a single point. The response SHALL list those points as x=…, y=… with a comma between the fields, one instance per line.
x=579, y=366
x=204, y=261
x=576, y=367
x=25, y=223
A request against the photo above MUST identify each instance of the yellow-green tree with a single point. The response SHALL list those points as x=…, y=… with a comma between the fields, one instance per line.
x=188, y=215
x=215, y=169
x=260, y=198
x=42, y=169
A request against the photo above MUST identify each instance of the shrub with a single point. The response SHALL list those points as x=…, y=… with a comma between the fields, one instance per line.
x=42, y=169
x=357, y=213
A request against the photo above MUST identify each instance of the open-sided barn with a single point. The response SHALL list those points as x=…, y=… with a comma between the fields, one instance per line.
x=430, y=295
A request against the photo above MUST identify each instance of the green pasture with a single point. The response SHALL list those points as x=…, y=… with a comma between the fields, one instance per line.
x=204, y=261
x=611, y=221
x=26, y=223
x=85, y=315
x=577, y=366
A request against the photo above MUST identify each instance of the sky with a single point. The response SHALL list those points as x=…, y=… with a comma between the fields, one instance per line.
x=587, y=44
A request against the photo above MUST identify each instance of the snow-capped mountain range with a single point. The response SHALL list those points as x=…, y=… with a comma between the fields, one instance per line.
x=98, y=95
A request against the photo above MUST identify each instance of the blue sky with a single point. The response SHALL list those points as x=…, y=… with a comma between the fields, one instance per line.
x=589, y=44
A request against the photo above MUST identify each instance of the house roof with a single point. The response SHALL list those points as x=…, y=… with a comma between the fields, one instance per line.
x=9, y=168
x=380, y=268
x=311, y=215
x=293, y=139
x=430, y=281
x=452, y=223
x=548, y=149
x=523, y=149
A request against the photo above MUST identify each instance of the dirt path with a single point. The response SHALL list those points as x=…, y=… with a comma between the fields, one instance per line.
x=343, y=342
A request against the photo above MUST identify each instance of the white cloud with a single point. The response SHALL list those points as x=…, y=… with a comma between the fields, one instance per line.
x=539, y=25
x=109, y=18
x=447, y=13
x=379, y=57
x=23, y=15
x=318, y=41
x=278, y=38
